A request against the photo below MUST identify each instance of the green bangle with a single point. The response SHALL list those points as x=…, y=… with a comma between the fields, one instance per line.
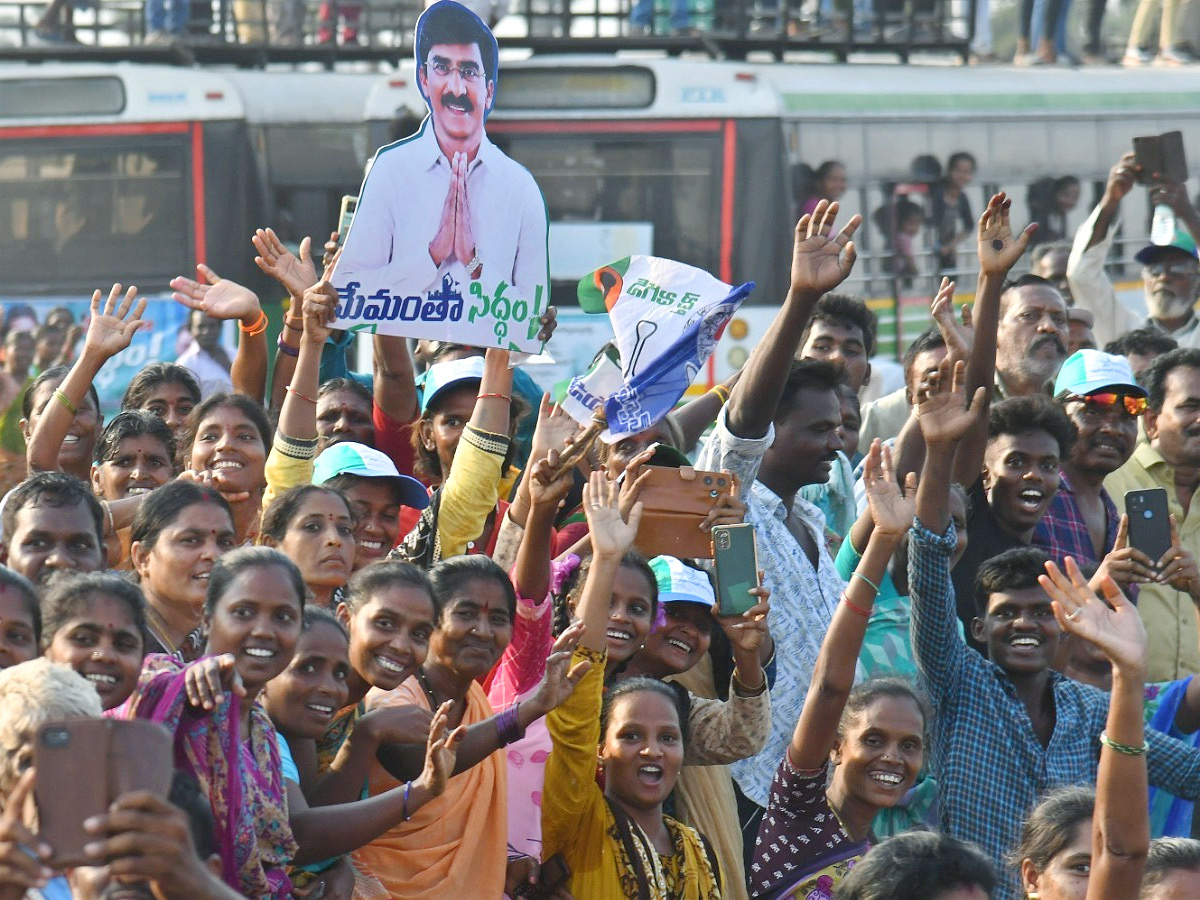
x=866, y=579
x=1125, y=749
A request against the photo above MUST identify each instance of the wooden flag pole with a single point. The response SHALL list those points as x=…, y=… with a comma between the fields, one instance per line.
x=581, y=443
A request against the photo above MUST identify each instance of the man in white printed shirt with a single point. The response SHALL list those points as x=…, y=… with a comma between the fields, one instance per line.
x=447, y=203
x=777, y=433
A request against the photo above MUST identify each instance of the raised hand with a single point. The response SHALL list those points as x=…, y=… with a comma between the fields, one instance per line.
x=441, y=751
x=217, y=297
x=942, y=411
x=295, y=274
x=729, y=509
x=821, y=262
x=1111, y=624
x=318, y=309
x=207, y=680
x=1124, y=564
x=747, y=632
x=20, y=871
x=958, y=338
x=330, y=250
x=553, y=430
x=549, y=483
x=998, y=250
x=561, y=677
x=1121, y=178
x=549, y=322
x=611, y=535
x=892, y=510
x=111, y=329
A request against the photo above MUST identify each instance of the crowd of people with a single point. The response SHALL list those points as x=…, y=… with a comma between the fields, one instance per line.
x=405, y=647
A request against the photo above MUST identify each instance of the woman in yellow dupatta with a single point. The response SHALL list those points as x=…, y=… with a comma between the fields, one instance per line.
x=457, y=845
x=617, y=842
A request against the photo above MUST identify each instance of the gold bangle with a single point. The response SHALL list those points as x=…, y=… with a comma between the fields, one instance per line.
x=721, y=391
x=743, y=690
x=62, y=398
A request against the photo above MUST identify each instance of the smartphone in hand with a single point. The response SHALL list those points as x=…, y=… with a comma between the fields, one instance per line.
x=83, y=765
x=735, y=553
x=1149, y=522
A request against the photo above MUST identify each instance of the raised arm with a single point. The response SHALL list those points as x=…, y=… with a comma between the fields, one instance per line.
x=998, y=253
x=395, y=382
x=110, y=330
x=944, y=417
x=821, y=261
x=469, y=494
x=1121, y=823
x=833, y=676
x=224, y=299
x=296, y=275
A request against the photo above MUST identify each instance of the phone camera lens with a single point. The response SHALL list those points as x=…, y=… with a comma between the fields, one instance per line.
x=708, y=479
x=1148, y=514
x=56, y=737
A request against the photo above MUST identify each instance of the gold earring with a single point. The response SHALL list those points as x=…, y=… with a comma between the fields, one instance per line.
x=1032, y=895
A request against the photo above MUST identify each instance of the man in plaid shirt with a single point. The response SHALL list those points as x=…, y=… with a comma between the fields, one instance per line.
x=1007, y=728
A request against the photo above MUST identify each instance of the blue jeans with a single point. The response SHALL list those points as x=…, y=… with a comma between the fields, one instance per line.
x=167, y=15
x=1060, y=26
x=643, y=13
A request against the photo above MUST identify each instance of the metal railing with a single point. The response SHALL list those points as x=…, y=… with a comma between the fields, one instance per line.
x=245, y=32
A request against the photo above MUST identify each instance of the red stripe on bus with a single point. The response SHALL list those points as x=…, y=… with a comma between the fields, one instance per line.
x=569, y=127
x=116, y=128
x=728, y=172
x=198, y=217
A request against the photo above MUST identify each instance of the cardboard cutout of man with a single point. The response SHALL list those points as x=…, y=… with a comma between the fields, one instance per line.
x=445, y=207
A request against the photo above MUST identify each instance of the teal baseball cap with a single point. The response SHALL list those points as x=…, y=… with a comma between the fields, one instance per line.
x=678, y=583
x=1181, y=242
x=351, y=458
x=1088, y=371
x=441, y=377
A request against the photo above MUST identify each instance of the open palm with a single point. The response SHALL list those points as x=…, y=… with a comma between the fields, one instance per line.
x=998, y=249
x=296, y=274
x=216, y=296
x=959, y=338
x=892, y=510
x=818, y=261
x=611, y=535
x=1112, y=624
x=111, y=328
x=942, y=410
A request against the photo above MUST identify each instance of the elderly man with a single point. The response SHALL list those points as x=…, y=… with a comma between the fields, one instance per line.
x=1171, y=461
x=1170, y=272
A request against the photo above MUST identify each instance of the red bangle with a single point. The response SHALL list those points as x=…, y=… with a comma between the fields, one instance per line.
x=858, y=609
x=292, y=390
x=497, y=396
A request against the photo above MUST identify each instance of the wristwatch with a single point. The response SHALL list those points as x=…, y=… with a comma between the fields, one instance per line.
x=475, y=266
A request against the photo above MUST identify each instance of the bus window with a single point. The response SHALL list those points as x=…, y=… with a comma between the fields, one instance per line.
x=76, y=219
x=665, y=181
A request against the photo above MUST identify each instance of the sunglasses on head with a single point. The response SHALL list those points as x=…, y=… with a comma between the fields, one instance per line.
x=1135, y=406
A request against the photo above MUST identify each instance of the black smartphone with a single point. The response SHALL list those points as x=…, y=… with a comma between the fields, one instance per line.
x=1149, y=157
x=553, y=875
x=1149, y=522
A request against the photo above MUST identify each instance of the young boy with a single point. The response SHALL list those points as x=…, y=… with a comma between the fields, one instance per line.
x=1007, y=728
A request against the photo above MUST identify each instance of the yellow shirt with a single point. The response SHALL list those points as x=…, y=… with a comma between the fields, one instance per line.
x=1173, y=639
x=577, y=821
